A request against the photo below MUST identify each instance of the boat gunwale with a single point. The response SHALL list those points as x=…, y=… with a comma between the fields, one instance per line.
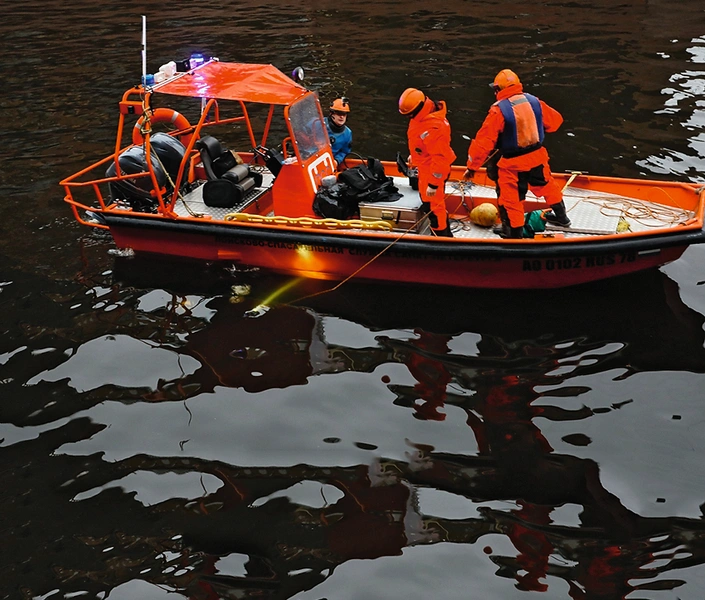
x=421, y=245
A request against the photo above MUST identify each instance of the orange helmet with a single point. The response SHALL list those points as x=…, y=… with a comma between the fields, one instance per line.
x=410, y=100
x=341, y=105
x=504, y=79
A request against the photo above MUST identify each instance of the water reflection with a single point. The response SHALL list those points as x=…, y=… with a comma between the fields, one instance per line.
x=156, y=438
x=502, y=394
x=685, y=96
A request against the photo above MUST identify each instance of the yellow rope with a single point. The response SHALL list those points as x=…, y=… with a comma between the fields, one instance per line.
x=173, y=185
x=309, y=222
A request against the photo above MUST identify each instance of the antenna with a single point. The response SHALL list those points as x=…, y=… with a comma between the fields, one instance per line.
x=144, y=49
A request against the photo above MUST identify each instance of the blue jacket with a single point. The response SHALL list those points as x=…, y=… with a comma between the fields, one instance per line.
x=341, y=143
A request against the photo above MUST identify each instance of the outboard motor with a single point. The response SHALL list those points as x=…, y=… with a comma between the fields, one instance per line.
x=170, y=151
x=167, y=154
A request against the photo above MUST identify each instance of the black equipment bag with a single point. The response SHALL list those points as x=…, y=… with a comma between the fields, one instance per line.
x=335, y=202
x=368, y=183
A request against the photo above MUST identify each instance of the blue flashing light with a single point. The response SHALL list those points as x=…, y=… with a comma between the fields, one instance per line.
x=196, y=60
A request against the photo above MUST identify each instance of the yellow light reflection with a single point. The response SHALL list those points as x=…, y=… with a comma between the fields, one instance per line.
x=264, y=306
x=279, y=291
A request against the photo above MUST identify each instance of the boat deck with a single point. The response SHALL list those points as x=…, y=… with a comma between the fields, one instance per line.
x=591, y=212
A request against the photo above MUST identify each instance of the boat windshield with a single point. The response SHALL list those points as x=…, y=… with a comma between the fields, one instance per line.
x=307, y=127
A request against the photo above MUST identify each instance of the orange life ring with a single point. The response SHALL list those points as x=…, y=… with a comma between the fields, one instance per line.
x=162, y=115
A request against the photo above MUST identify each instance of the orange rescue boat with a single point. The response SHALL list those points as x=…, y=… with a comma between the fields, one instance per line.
x=195, y=199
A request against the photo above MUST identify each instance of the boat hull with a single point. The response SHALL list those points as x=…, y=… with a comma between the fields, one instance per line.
x=337, y=256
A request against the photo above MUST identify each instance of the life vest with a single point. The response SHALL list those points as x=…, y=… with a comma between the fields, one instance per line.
x=523, y=125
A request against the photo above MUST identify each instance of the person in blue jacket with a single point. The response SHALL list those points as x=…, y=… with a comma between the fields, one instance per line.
x=339, y=133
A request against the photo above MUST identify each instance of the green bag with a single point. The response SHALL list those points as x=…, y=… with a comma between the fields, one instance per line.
x=534, y=223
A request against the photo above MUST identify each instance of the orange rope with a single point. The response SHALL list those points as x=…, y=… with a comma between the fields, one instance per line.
x=638, y=211
x=375, y=257
x=349, y=277
x=461, y=186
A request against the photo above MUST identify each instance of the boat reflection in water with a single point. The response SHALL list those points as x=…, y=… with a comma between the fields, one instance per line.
x=515, y=478
x=277, y=332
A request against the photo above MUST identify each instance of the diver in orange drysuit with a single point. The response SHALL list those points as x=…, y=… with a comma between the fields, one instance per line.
x=430, y=153
x=515, y=126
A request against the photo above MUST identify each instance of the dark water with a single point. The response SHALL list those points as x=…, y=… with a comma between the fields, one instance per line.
x=162, y=437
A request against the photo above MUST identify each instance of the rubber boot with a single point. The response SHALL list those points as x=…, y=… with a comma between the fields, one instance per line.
x=432, y=218
x=443, y=232
x=513, y=233
x=516, y=233
x=558, y=216
x=502, y=230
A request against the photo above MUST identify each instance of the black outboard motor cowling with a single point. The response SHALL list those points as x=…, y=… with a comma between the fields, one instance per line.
x=167, y=154
x=170, y=152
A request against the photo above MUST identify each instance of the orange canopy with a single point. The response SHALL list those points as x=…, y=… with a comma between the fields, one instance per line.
x=235, y=81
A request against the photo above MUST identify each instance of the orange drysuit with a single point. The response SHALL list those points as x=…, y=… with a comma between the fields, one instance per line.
x=529, y=169
x=430, y=151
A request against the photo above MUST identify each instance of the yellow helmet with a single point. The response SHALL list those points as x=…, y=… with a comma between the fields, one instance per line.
x=410, y=100
x=504, y=79
x=341, y=105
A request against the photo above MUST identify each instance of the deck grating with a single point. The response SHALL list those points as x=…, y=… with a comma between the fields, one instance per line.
x=591, y=212
x=194, y=201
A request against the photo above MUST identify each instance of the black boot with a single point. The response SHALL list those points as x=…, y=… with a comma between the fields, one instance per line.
x=513, y=233
x=558, y=216
x=516, y=232
x=502, y=230
x=443, y=232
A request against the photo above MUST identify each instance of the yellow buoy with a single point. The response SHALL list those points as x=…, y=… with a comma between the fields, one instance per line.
x=484, y=214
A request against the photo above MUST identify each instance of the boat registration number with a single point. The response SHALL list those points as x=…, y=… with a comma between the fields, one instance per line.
x=577, y=262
